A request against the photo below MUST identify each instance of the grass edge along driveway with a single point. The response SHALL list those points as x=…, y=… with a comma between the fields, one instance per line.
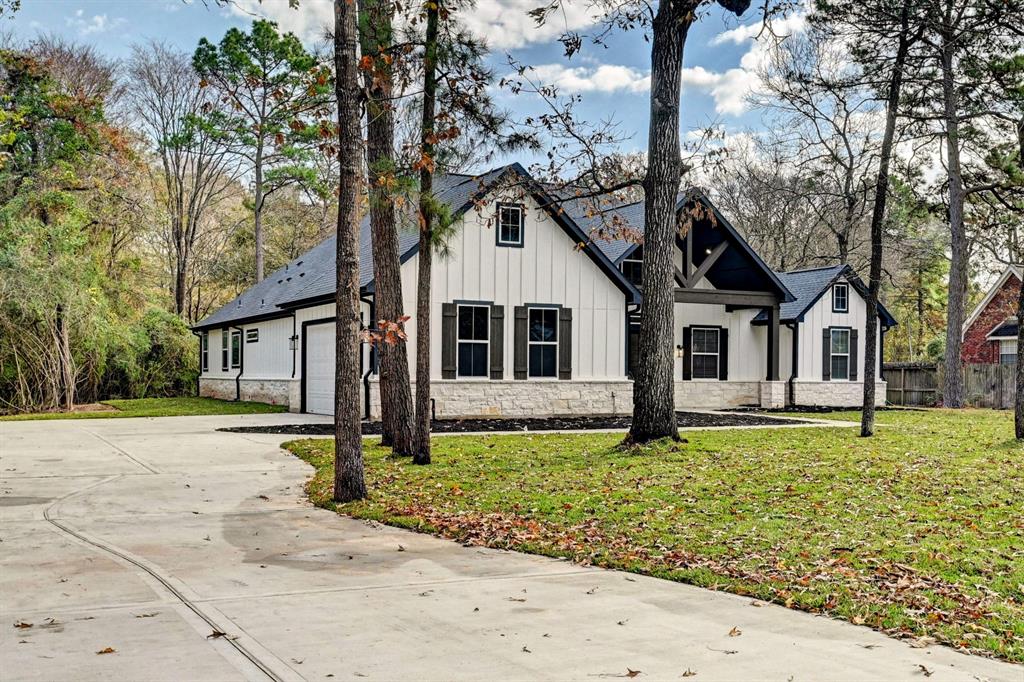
x=918, y=532
x=155, y=407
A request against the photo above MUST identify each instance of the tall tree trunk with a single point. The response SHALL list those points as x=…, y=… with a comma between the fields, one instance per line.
x=258, y=212
x=426, y=246
x=66, y=373
x=348, y=443
x=654, y=411
x=395, y=391
x=867, y=420
x=180, y=286
x=953, y=382
x=1018, y=403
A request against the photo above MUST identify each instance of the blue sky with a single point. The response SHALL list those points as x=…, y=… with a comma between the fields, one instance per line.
x=720, y=52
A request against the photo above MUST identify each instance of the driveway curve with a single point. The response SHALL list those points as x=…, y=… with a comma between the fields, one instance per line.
x=165, y=549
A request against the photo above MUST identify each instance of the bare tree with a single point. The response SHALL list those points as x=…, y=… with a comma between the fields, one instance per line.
x=194, y=171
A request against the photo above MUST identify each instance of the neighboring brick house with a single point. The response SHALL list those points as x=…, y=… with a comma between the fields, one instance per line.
x=990, y=333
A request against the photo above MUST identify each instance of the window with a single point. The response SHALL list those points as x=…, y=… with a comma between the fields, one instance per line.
x=1008, y=352
x=510, y=225
x=633, y=267
x=543, y=342
x=236, y=349
x=840, y=298
x=204, y=351
x=704, y=353
x=252, y=335
x=224, y=349
x=840, y=352
x=473, y=337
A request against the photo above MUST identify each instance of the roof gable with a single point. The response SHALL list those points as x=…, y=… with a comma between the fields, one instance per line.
x=1010, y=271
x=809, y=285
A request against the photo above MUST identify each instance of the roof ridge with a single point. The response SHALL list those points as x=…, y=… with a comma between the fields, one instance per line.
x=820, y=267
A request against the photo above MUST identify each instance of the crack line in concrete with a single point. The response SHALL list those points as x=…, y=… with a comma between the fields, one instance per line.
x=120, y=450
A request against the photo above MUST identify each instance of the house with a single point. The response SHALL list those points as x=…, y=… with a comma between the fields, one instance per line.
x=990, y=332
x=533, y=317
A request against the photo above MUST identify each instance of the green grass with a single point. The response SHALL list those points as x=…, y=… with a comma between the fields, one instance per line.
x=156, y=407
x=918, y=532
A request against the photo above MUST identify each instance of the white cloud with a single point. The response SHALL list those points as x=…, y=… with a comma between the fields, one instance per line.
x=98, y=23
x=603, y=78
x=793, y=23
x=309, y=22
x=729, y=88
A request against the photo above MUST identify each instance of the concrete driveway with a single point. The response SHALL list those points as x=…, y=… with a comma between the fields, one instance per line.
x=192, y=554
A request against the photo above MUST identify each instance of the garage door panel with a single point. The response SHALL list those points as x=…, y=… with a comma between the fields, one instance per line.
x=320, y=368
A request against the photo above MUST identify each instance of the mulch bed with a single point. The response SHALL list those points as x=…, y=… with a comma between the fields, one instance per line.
x=685, y=419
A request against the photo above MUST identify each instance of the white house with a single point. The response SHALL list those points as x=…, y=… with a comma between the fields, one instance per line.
x=534, y=317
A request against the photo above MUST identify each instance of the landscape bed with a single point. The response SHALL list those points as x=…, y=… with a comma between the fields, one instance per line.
x=685, y=420
x=918, y=532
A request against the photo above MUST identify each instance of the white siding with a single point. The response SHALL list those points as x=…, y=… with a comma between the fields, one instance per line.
x=547, y=269
x=820, y=317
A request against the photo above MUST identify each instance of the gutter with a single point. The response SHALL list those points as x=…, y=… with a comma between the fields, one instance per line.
x=241, y=362
x=794, y=329
x=199, y=338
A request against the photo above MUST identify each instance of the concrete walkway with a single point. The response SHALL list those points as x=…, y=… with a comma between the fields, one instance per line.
x=192, y=554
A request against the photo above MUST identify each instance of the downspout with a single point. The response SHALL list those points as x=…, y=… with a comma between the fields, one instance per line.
x=241, y=362
x=795, y=361
x=371, y=365
x=294, y=341
x=199, y=338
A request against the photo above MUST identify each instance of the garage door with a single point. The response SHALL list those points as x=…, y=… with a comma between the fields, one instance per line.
x=320, y=368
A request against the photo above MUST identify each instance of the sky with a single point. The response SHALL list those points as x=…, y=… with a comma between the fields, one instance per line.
x=721, y=51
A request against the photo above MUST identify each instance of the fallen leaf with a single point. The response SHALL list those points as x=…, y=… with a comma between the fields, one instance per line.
x=527, y=651
x=216, y=634
x=107, y=650
x=632, y=673
x=735, y=632
x=263, y=497
x=22, y=625
x=925, y=671
x=592, y=590
x=401, y=549
x=146, y=615
x=514, y=599
x=688, y=673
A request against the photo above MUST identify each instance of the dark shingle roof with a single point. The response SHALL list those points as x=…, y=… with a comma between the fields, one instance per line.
x=1005, y=330
x=809, y=285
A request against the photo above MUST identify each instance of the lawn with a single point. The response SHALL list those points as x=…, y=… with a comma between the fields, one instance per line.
x=156, y=407
x=918, y=532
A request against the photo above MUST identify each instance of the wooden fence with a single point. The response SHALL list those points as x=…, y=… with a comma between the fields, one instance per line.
x=918, y=384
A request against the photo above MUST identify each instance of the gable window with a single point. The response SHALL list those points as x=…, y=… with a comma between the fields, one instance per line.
x=840, y=354
x=224, y=349
x=510, y=225
x=236, y=350
x=543, y=342
x=1008, y=352
x=633, y=267
x=473, y=340
x=252, y=335
x=204, y=351
x=840, y=298
x=705, y=353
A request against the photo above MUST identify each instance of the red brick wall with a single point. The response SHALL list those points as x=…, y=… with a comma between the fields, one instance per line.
x=978, y=349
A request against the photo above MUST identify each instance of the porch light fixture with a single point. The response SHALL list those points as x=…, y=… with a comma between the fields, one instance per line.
x=293, y=342
x=679, y=352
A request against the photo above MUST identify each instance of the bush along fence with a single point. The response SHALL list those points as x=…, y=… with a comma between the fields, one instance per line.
x=919, y=384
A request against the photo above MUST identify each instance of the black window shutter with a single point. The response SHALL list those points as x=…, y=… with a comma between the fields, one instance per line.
x=520, y=331
x=449, y=343
x=497, y=342
x=826, y=354
x=565, y=343
x=687, y=365
x=853, y=355
x=723, y=354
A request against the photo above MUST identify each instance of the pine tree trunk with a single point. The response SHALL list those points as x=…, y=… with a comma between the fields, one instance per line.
x=348, y=443
x=867, y=421
x=425, y=254
x=395, y=390
x=258, y=213
x=654, y=413
x=953, y=382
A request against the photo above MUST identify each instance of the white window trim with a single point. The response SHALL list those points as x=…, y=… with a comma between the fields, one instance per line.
x=541, y=343
x=1005, y=343
x=632, y=259
x=458, y=341
x=522, y=225
x=204, y=352
x=846, y=297
x=832, y=353
x=225, y=350
x=717, y=354
x=235, y=335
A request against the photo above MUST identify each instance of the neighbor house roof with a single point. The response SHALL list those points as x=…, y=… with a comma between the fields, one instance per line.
x=808, y=286
x=1014, y=270
x=310, y=278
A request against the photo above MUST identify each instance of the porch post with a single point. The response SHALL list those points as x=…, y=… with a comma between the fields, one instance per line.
x=773, y=343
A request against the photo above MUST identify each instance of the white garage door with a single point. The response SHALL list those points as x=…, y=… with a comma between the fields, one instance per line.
x=320, y=368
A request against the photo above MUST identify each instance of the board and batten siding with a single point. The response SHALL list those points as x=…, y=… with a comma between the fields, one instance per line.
x=547, y=269
x=820, y=317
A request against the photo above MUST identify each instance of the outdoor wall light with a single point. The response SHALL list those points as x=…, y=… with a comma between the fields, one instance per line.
x=293, y=342
x=679, y=352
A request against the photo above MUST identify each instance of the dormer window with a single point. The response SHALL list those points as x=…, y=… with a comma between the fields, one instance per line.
x=510, y=225
x=633, y=267
x=840, y=298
